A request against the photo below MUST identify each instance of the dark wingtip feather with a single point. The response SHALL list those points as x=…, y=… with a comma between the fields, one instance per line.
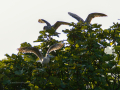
x=103, y=14
x=69, y=12
x=40, y=21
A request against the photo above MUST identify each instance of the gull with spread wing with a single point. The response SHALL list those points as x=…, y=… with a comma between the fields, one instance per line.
x=55, y=26
x=89, y=17
x=43, y=60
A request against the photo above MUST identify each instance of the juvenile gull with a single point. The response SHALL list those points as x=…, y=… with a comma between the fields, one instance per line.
x=55, y=26
x=43, y=60
x=89, y=17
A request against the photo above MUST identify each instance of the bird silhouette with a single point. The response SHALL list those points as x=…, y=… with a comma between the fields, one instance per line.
x=55, y=26
x=43, y=60
x=89, y=17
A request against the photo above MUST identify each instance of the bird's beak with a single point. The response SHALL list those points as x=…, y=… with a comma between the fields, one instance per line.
x=18, y=49
x=50, y=56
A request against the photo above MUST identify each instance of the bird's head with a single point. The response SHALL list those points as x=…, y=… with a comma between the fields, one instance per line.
x=47, y=27
x=49, y=56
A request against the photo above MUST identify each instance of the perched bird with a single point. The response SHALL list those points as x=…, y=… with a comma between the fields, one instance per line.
x=43, y=60
x=55, y=26
x=89, y=17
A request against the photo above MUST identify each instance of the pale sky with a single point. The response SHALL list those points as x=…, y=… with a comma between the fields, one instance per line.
x=19, y=18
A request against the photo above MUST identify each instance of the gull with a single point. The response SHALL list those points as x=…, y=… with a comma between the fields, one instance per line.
x=89, y=17
x=55, y=26
x=43, y=60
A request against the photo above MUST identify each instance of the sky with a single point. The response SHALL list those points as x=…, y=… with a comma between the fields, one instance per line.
x=19, y=18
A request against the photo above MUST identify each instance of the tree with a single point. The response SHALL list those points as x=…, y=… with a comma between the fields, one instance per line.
x=81, y=64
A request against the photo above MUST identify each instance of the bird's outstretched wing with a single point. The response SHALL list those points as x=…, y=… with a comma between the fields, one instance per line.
x=55, y=47
x=75, y=16
x=58, y=23
x=93, y=15
x=31, y=50
x=44, y=21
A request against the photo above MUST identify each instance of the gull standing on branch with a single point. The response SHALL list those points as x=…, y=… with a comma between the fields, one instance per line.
x=43, y=60
x=55, y=26
x=89, y=17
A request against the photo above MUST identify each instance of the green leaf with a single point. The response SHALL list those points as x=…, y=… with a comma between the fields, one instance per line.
x=6, y=81
x=19, y=72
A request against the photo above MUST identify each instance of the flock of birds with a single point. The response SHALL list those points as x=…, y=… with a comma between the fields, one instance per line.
x=46, y=59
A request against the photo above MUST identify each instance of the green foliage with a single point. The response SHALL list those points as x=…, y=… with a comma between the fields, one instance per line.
x=80, y=65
